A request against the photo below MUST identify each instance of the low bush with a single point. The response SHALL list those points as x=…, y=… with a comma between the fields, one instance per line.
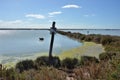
x=25, y=65
x=107, y=55
x=44, y=61
x=85, y=60
x=69, y=63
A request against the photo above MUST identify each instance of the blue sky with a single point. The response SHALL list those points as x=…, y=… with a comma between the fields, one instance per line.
x=67, y=13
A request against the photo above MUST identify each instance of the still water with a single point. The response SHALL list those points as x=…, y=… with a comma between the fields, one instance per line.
x=19, y=45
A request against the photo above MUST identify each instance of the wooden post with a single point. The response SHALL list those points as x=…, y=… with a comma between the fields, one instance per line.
x=52, y=31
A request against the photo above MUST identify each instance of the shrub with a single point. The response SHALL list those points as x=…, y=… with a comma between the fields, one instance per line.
x=25, y=65
x=44, y=61
x=88, y=38
x=107, y=55
x=116, y=74
x=86, y=59
x=106, y=40
x=56, y=62
x=82, y=37
x=96, y=39
x=103, y=56
x=69, y=63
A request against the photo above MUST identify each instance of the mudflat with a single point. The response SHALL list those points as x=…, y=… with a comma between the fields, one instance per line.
x=88, y=49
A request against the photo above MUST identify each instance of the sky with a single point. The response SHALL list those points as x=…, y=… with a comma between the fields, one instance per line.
x=78, y=14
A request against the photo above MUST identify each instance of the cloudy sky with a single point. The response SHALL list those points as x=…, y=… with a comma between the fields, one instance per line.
x=67, y=13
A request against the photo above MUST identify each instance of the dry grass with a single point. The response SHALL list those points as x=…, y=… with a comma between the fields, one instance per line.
x=45, y=73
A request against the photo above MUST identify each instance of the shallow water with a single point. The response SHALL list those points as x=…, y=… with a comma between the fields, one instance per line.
x=19, y=45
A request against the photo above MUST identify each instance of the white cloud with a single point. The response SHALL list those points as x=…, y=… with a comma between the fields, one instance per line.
x=20, y=24
x=10, y=22
x=14, y=22
x=71, y=6
x=55, y=13
x=37, y=16
x=6, y=24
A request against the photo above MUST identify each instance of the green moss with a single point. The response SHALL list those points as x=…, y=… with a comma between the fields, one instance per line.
x=88, y=48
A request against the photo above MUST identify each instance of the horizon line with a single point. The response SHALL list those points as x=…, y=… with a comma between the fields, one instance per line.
x=57, y=29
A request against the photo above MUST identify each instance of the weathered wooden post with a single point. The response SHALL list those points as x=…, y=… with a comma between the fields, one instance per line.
x=52, y=31
x=0, y=66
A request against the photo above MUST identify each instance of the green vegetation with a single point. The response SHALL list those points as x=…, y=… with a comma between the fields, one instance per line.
x=85, y=60
x=88, y=48
x=69, y=63
x=44, y=61
x=107, y=67
x=25, y=65
x=110, y=43
x=111, y=56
